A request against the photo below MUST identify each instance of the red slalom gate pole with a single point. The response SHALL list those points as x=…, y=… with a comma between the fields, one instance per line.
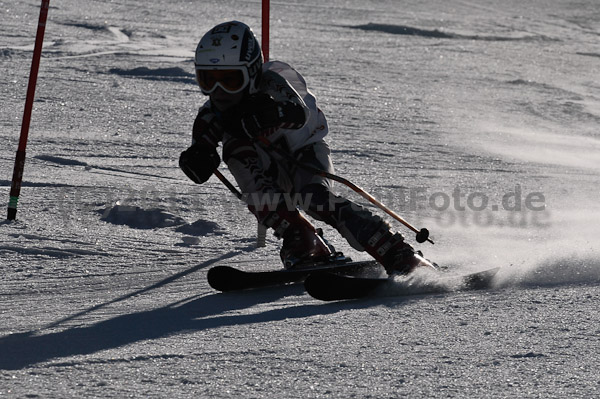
x=261, y=232
x=265, y=29
x=15, y=188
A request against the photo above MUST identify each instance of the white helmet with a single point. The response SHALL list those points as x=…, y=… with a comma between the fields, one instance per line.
x=229, y=56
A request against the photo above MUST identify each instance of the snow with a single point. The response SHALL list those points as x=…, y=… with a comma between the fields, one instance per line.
x=437, y=108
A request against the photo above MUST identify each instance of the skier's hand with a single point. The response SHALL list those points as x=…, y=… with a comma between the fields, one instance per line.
x=198, y=162
x=258, y=113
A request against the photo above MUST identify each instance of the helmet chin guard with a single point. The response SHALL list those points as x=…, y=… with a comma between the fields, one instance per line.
x=229, y=46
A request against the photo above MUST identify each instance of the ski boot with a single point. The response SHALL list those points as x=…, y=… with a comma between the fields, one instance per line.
x=303, y=246
x=367, y=232
x=395, y=255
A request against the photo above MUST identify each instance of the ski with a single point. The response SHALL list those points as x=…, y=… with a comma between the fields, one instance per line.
x=335, y=287
x=227, y=278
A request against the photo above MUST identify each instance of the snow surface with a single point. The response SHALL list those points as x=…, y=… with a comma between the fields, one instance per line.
x=103, y=276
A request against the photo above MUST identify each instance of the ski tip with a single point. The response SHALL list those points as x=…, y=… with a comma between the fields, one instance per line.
x=480, y=280
x=220, y=277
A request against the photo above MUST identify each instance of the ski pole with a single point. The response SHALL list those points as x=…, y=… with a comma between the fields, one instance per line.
x=261, y=231
x=228, y=184
x=422, y=235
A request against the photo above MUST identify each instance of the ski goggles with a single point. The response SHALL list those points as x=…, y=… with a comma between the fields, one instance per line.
x=231, y=80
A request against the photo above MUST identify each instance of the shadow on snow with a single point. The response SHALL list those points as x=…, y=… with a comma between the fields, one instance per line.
x=192, y=314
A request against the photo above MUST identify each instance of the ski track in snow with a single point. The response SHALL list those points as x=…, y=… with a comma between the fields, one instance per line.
x=103, y=285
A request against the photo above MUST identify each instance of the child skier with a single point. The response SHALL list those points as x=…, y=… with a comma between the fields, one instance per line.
x=250, y=100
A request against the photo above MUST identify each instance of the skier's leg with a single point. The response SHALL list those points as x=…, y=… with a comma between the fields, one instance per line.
x=301, y=243
x=362, y=229
x=317, y=155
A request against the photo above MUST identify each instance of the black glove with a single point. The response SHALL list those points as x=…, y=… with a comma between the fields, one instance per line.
x=198, y=162
x=259, y=112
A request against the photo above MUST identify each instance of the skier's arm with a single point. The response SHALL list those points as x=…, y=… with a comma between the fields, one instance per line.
x=207, y=127
x=294, y=112
x=200, y=160
x=277, y=105
x=261, y=111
